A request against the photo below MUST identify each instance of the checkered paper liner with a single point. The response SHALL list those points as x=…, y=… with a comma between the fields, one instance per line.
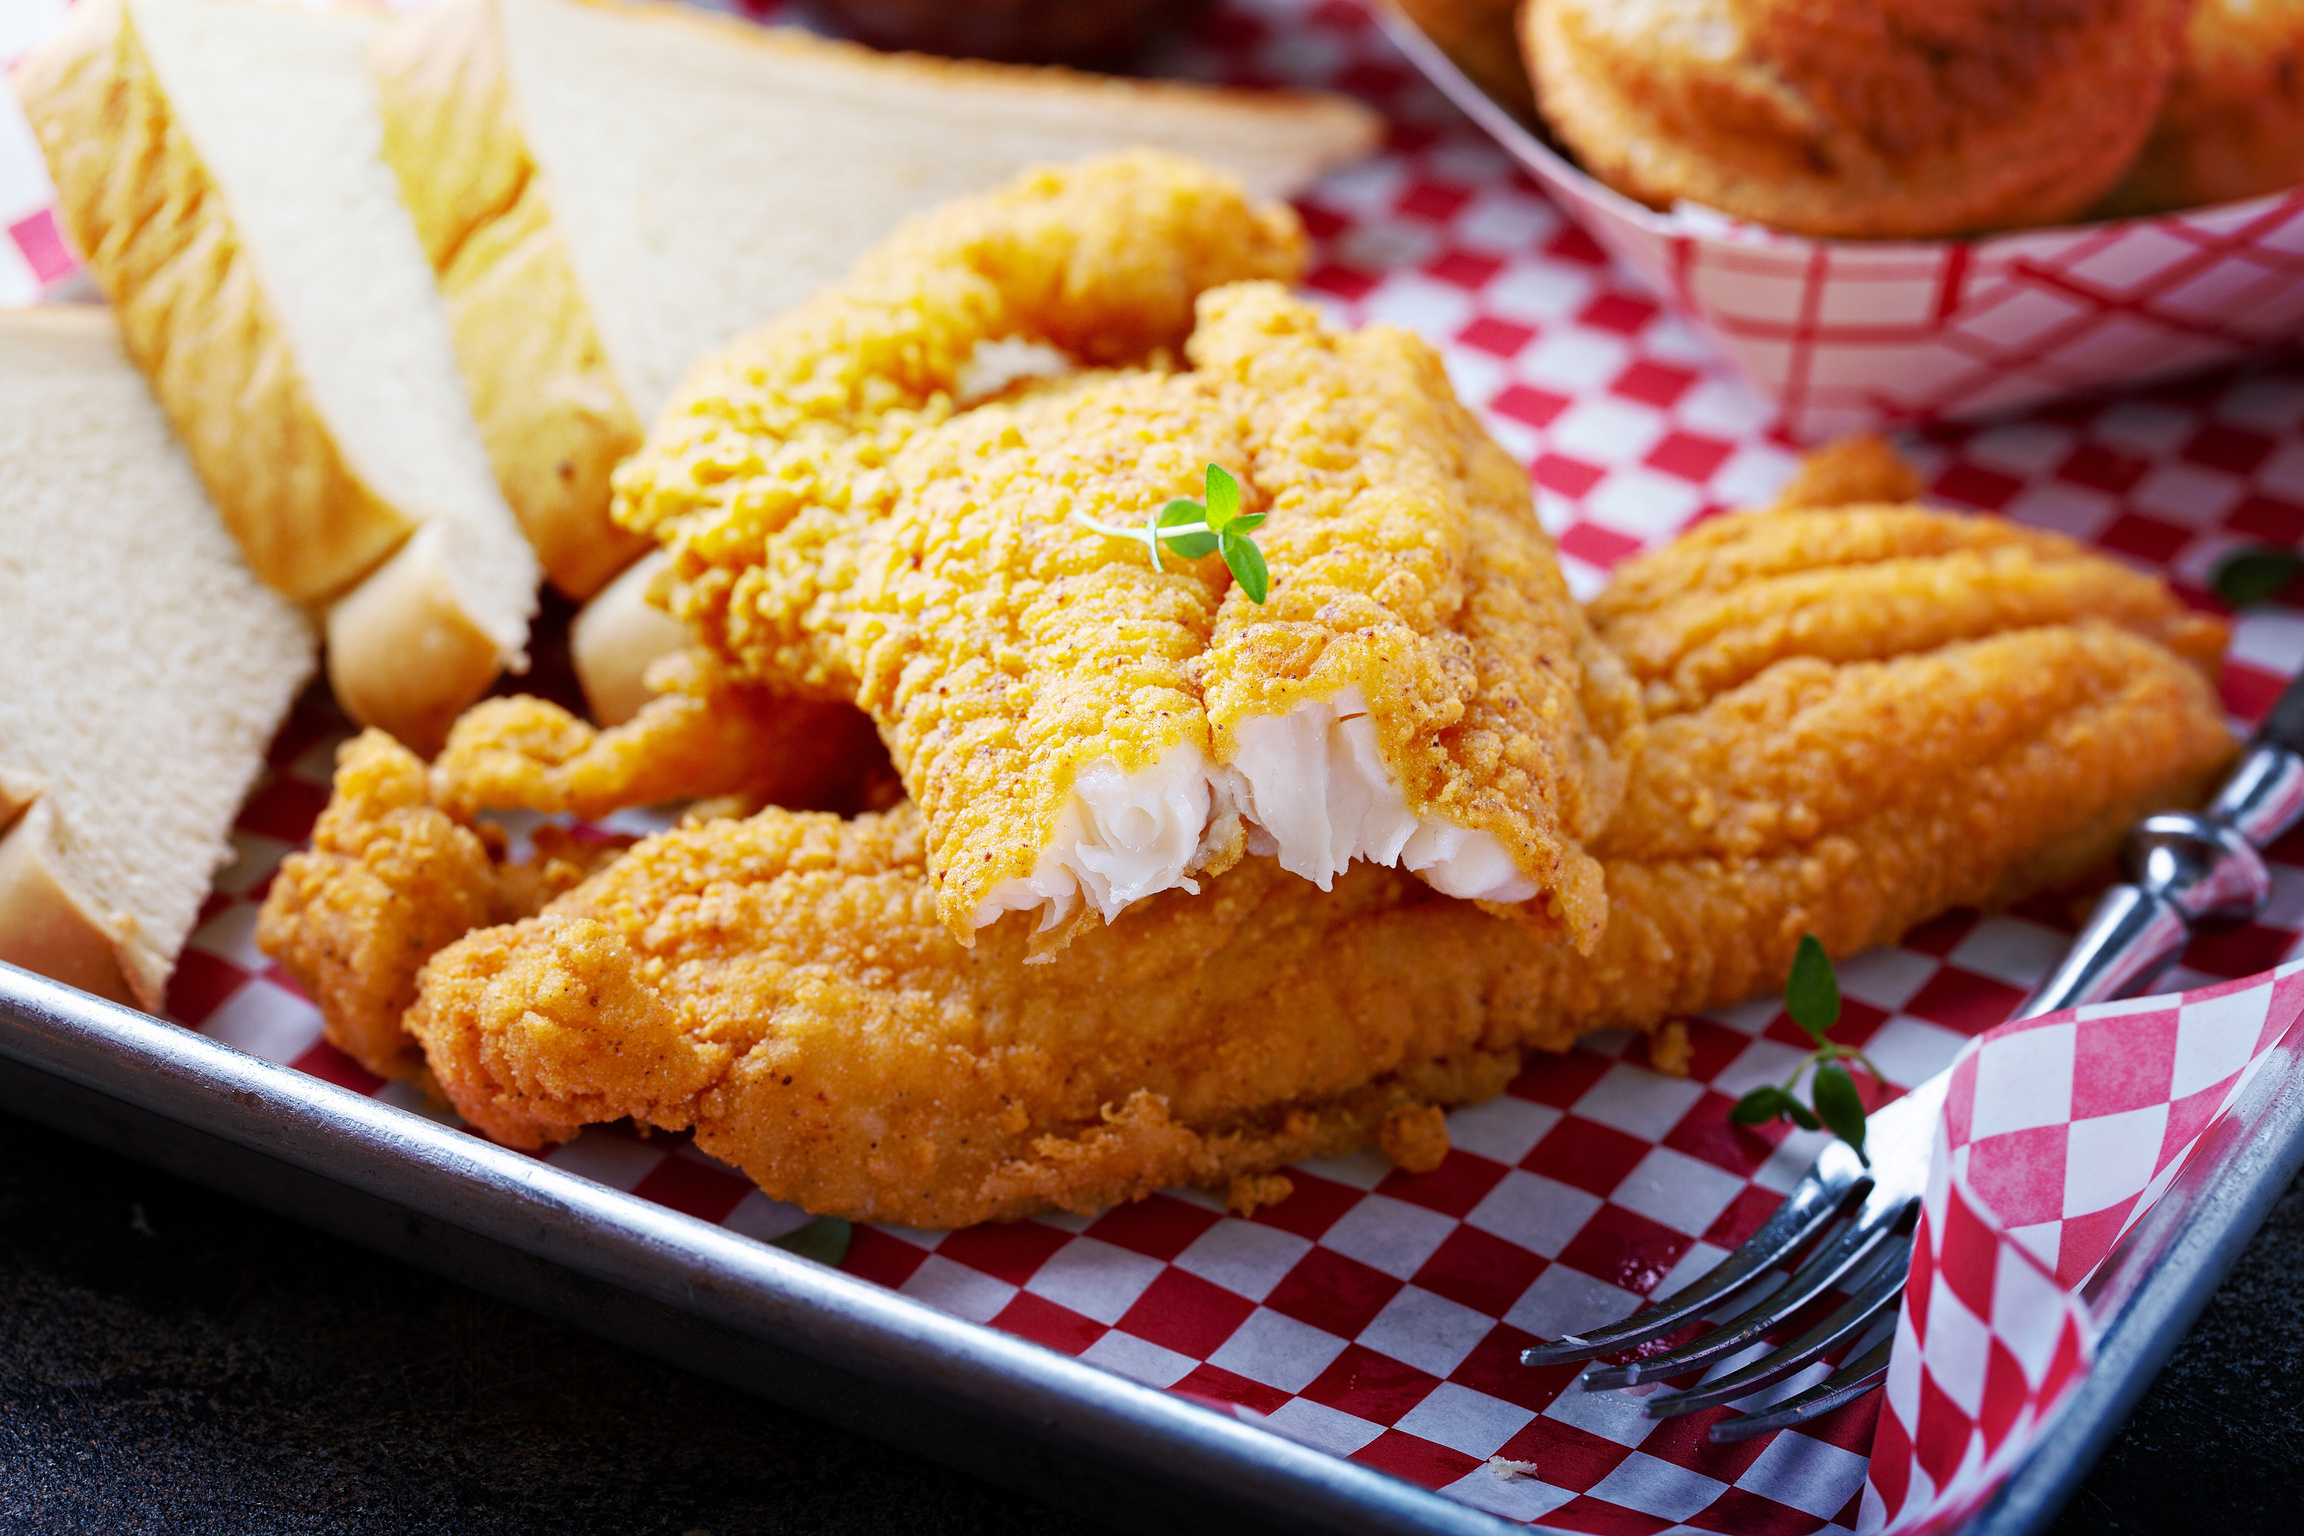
x=2057, y=1135
x=1853, y=335
x=1376, y=1314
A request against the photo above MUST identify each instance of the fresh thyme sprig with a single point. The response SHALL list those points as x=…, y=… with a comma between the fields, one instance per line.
x=1812, y=997
x=1193, y=530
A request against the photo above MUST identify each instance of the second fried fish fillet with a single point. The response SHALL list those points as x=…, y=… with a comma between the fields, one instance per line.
x=785, y=986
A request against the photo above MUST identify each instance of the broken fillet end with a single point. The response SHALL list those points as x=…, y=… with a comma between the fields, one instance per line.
x=1122, y=837
x=1314, y=784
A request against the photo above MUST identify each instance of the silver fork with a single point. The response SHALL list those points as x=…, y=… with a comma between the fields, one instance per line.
x=2183, y=868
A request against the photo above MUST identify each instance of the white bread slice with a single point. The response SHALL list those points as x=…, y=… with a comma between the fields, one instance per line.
x=610, y=191
x=147, y=668
x=218, y=162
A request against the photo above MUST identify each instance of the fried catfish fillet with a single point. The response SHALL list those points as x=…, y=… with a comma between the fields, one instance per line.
x=761, y=474
x=390, y=878
x=703, y=735
x=1084, y=723
x=1081, y=726
x=784, y=986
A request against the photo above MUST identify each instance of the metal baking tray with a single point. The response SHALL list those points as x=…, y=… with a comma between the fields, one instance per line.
x=845, y=1350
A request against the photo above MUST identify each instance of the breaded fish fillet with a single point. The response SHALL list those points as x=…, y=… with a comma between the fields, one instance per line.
x=390, y=878
x=1080, y=725
x=785, y=986
x=702, y=736
x=761, y=473
x=1418, y=688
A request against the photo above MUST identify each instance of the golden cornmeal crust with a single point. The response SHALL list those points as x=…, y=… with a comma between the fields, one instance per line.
x=783, y=984
x=1407, y=562
x=2233, y=124
x=1004, y=647
x=760, y=475
x=703, y=736
x=1892, y=119
x=1478, y=36
x=152, y=226
x=388, y=879
x=1738, y=593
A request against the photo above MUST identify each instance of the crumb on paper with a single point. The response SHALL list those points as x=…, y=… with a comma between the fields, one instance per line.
x=1669, y=1050
x=1504, y=1469
x=1251, y=1192
x=1415, y=1136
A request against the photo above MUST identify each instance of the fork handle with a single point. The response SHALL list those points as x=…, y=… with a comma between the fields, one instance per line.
x=2187, y=868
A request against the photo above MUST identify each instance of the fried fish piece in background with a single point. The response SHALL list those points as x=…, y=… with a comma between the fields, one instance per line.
x=2233, y=124
x=1478, y=36
x=784, y=986
x=1894, y=119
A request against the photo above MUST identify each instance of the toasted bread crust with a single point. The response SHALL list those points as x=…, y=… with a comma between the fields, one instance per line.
x=403, y=654
x=550, y=410
x=1901, y=119
x=155, y=230
x=46, y=925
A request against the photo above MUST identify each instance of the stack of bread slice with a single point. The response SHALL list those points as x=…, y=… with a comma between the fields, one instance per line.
x=147, y=667
x=218, y=165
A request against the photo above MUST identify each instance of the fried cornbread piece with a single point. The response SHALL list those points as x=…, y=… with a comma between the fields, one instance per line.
x=1080, y=727
x=783, y=984
x=2233, y=123
x=761, y=474
x=1478, y=36
x=1895, y=119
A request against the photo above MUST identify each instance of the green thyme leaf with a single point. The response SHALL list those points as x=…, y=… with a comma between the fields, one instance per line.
x=1759, y=1106
x=2257, y=575
x=1812, y=995
x=1798, y=1113
x=1190, y=545
x=1841, y=1107
x=1246, y=562
x=1223, y=498
x=825, y=1240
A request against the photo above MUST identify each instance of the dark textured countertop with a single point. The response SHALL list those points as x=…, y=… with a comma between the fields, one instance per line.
x=174, y=1361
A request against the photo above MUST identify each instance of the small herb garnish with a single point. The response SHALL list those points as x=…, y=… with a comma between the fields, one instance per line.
x=1812, y=997
x=1194, y=530
x=2256, y=575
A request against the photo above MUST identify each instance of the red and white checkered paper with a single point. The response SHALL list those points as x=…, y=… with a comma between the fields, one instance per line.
x=2058, y=1134
x=1377, y=1314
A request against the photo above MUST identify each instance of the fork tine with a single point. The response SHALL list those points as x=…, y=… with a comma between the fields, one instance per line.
x=1875, y=1223
x=1806, y=1211
x=1852, y=1380
x=1878, y=1292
